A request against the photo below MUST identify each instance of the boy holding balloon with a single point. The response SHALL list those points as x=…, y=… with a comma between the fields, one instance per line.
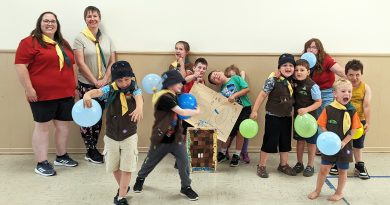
x=339, y=117
x=278, y=121
x=307, y=97
x=125, y=104
x=361, y=100
x=235, y=89
x=167, y=134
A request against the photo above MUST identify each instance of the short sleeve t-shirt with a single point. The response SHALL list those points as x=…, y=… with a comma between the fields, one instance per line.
x=90, y=58
x=236, y=84
x=326, y=77
x=49, y=81
x=106, y=90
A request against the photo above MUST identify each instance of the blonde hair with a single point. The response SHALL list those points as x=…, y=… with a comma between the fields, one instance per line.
x=341, y=82
x=232, y=68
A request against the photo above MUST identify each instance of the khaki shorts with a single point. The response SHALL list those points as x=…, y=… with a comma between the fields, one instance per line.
x=121, y=155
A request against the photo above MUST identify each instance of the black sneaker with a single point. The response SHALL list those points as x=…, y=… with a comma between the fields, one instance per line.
x=191, y=194
x=334, y=170
x=222, y=157
x=361, y=171
x=94, y=156
x=309, y=171
x=235, y=160
x=65, y=160
x=117, y=194
x=45, y=169
x=122, y=201
x=298, y=168
x=139, y=183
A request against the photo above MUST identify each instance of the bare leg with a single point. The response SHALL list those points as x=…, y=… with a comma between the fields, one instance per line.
x=340, y=186
x=40, y=140
x=263, y=158
x=124, y=183
x=61, y=136
x=311, y=148
x=300, y=148
x=324, y=170
x=357, y=153
x=283, y=158
x=117, y=175
x=239, y=143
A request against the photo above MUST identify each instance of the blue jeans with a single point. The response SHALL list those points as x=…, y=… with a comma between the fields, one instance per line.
x=327, y=98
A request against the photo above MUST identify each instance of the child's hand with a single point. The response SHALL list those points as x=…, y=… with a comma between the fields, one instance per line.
x=343, y=144
x=278, y=74
x=100, y=83
x=253, y=116
x=231, y=99
x=366, y=128
x=302, y=111
x=197, y=110
x=189, y=72
x=87, y=101
x=137, y=115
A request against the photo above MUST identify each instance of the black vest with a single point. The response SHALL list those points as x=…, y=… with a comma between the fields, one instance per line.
x=280, y=101
x=302, y=95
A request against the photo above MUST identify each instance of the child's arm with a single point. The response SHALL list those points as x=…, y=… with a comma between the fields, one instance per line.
x=91, y=94
x=310, y=108
x=347, y=138
x=185, y=112
x=192, y=77
x=367, y=108
x=137, y=115
x=182, y=68
x=242, y=74
x=242, y=92
x=259, y=100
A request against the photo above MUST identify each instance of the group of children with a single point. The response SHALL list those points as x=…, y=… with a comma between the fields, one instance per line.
x=287, y=89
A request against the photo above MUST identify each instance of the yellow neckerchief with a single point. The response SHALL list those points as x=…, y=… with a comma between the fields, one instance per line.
x=174, y=64
x=91, y=37
x=157, y=95
x=122, y=97
x=347, y=118
x=283, y=78
x=60, y=55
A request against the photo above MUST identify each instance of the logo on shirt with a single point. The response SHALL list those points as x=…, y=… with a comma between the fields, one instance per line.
x=333, y=122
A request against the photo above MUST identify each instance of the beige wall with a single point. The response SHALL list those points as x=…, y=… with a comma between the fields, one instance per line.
x=16, y=123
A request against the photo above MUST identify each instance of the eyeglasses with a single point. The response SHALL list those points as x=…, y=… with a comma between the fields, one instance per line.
x=49, y=21
x=313, y=47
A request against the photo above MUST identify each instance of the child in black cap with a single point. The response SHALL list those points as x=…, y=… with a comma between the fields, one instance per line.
x=278, y=121
x=124, y=110
x=167, y=133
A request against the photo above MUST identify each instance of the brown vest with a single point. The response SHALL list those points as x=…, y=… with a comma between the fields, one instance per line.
x=162, y=124
x=279, y=99
x=120, y=127
x=335, y=124
x=302, y=95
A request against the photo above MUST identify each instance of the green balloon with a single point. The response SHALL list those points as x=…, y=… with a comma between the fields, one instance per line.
x=305, y=125
x=249, y=128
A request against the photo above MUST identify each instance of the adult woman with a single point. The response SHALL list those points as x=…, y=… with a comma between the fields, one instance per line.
x=323, y=73
x=94, y=55
x=44, y=64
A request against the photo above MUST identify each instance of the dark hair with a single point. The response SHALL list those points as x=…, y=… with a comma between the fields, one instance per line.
x=185, y=44
x=91, y=9
x=355, y=65
x=201, y=61
x=231, y=67
x=303, y=62
x=320, y=55
x=209, y=77
x=37, y=32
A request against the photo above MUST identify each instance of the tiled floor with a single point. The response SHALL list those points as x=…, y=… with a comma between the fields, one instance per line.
x=90, y=184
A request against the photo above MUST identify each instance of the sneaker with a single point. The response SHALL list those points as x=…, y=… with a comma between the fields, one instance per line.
x=139, y=183
x=235, y=160
x=94, y=156
x=262, y=171
x=298, y=168
x=117, y=194
x=286, y=169
x=122, y=201
x=221, y=157
x=361, y=171
x=45, y=169
x=309, y=171
x=334, y=170
x=245, y=158
x=65, y=160
x=191, y=194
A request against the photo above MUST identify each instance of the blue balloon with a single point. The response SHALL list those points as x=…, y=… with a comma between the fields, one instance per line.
x=152, y=83
x=86, y=117
x=311, y=58
x=329, y=143
x=186, y=101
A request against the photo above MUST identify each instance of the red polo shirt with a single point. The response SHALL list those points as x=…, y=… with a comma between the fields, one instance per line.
x=43, y=67
x=326, y=78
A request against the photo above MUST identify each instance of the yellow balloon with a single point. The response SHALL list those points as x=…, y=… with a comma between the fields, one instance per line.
x=359, y=133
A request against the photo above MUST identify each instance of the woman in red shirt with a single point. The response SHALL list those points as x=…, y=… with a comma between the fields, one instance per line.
x=44, y=64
